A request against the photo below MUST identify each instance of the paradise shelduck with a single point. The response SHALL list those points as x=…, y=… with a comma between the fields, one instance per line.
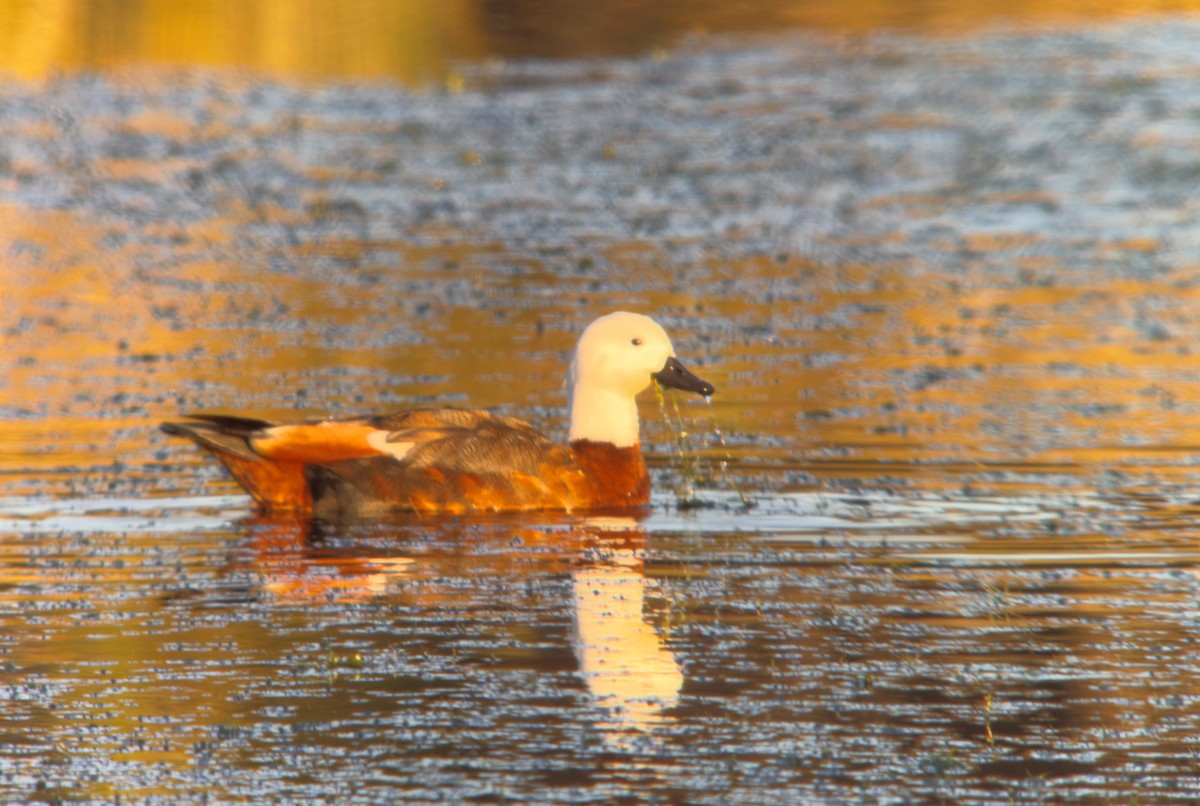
x=451, y=460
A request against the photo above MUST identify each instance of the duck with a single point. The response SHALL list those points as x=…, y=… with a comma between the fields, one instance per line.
x=462, y=460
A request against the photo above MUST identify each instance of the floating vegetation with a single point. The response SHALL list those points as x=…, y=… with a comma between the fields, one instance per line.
x=689, y=470
x=694, y=470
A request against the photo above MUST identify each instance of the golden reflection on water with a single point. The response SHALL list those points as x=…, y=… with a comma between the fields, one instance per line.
x=109, y=662
x=219, y=649
x=1012, y=372
x=411, y=41
x=420, y=41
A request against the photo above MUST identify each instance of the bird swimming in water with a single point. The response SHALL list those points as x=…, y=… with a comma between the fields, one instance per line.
x=449, y=460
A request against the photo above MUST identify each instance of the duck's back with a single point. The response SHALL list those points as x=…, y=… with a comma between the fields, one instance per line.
x=451, y=460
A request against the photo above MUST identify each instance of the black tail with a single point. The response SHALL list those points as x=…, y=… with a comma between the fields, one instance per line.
x=219, y=434
x=231, y=424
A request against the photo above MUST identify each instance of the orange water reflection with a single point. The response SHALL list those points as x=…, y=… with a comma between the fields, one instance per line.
x=958, y=370
x=421, y=41
x=108, y=652
x=218, y=651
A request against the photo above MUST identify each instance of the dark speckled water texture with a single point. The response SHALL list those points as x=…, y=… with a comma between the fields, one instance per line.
x=947, y=288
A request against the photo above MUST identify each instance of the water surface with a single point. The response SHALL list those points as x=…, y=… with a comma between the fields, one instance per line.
x=946, y=289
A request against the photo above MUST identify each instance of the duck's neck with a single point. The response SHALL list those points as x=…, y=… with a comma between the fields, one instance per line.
x=602, y=416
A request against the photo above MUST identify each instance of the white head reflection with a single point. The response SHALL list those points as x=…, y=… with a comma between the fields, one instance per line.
x=629, y=671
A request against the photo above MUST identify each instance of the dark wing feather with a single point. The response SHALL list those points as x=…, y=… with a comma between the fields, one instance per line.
x=467, y=441
x=460, y=459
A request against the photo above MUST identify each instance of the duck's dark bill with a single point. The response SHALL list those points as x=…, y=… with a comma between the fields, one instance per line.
x=677, y=376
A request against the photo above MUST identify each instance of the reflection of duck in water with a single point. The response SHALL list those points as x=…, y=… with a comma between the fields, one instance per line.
x=456, y=460
x=628, y=669
x=630, y=672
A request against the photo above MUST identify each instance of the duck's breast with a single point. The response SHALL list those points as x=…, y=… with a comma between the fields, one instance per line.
x=616, y=476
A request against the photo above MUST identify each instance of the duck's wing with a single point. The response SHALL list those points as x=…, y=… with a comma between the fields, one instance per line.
x=426, y=459
x=463, y=441
x=450, y=460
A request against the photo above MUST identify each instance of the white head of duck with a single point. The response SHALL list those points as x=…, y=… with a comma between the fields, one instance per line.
x=617, y=358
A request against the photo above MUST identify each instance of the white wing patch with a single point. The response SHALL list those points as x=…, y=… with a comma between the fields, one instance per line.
x=379, y=441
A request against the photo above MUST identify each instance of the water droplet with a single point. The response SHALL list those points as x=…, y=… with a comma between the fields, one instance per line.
x=723, y=464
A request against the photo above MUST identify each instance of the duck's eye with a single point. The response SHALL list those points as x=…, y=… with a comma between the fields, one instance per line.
x=636, y=342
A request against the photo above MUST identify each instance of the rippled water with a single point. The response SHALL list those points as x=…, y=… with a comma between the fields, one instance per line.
x=946, y=290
